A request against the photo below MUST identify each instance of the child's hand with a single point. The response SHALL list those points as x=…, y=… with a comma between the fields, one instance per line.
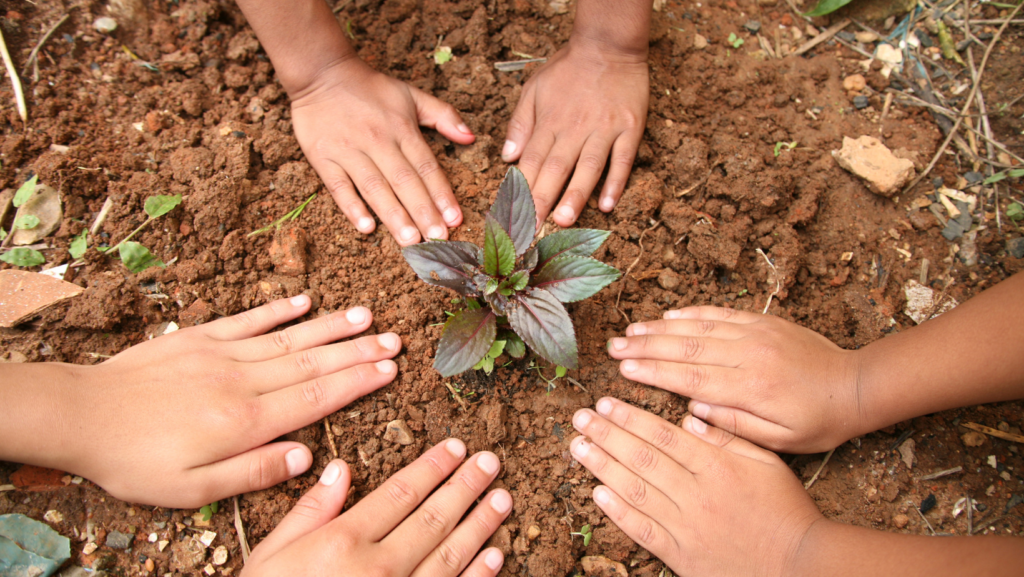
x=390, y=532
x=359, y=130
x=583, y=106
x=188, y=418
x=759, y=377
x=700, y=499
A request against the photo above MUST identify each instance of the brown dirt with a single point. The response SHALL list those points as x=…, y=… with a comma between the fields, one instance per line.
x=214, y=126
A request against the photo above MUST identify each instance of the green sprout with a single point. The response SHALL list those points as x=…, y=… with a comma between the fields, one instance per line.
x=29, y=221
x=734, y=40
x=25, y=191
x=584, y=532
x=442, y=55
x=290, y=216
x=487, y=363
x=560, y=372
x=137, y=258
x=208, y=511
x=779, y=146
x=1015, y=212
x=1004, y=174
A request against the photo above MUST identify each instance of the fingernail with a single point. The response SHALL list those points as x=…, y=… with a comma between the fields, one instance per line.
x=488, y=463
x=699, y=426
x=501, y=502
x=581, y=420
x=619, y=344
x=701, y=410
x=385, y=367
x=672, y=314
x=331, y=474
x=607, y=203
x=436, y=232
x=455, y=448
x=508, y=150
x=601, y=496
x=638, y=330
x=296, y=461
x=408, y=233
x=365, y=224
x=463, y=129
x=299, y=300
x=450, y=216
x=494, y=559
x=356, y=316
x=566, y=213
x=389, y=341
x=604, y=407
x=580, y=448
x=630, y=366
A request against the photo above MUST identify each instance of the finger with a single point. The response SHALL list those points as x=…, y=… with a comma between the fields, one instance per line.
x=621, y=164
x=437, y=185
x=714, y=314
x=253, y=470
x=530, y=162
x=694, y=350
x=320, y=331
x=296, y=406
x=344, y=194
x=714, y=384
x=435, y=519
x=455, y=553
x=554, y=172
x=589, y=167
x=487, y=564
x=377, y=192
x=319, y=506
x=730, y=422
x=630, y=465
x=442, y=117
x=643, y=529
x=318, y=362
x=409, y=188
x=259, y=320
x=520, y=130
x=688, y=328
x=382, y=510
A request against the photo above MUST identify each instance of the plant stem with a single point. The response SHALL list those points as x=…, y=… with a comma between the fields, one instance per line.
x=129, y=237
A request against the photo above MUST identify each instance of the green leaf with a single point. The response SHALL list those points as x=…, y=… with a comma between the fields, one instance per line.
x=161, y=204
x=586, y=528
x=79, y=245
x=518, y=280
x=574, y=278
x=586, y=539
x=486, y=364
x=826, y=7
x=545, y=326
x=1015, y=211
x=23, y=257
x=3, y=233
x=571, y=242
x=473, y=304
x=515, y=211
x=25, y=191
x=137, y=258
x=497, y=347
x=440, y=263
x=514, y=345
x=442, y=55
x=499, y=252
x=1016, y=172
x=215, y=506
x=206, y=512
x=467, y=337
x=491, y=286
x=559, y=373
x=26, y=222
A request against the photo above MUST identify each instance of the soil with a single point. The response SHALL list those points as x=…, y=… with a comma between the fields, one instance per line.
x=211, y=123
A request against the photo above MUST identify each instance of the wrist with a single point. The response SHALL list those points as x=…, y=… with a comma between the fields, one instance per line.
x=608, y=48
x=39, y=420
x=342, y=70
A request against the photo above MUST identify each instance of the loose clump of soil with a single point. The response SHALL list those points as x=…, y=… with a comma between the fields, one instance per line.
x=213, y=125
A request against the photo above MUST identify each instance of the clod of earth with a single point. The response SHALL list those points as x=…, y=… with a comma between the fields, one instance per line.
x=867, y=158
x=596, y=566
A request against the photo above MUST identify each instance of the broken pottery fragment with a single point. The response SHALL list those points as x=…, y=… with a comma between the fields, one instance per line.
x=869, y=159
x=23, y=294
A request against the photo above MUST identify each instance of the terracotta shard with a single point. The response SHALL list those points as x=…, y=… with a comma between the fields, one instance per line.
x=23, y=294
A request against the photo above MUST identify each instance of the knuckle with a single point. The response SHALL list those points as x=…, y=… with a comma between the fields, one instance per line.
x=395, y=214
x=622, y=160
x=283, y=341
x=690, y=348
x=599, y=431
x=435, y=521
x=374, y=185
x=705, y=327
x=427, y=168
x=644, y=459
x=337, y=185
x=308, y=362
x=695, y=379
x=401, y=492
x=637, y=492
x=664, y=437
x=645, y=533
x=531, y=160
x=249, y=319
x=451, y=556
x=314, y=393
x=403, y=176
x=470, y=482
x=728, y=313
x=556, y=165
x=517, y=126
x=592, y=162
x=260, y=472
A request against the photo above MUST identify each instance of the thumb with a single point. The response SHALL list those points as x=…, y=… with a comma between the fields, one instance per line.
x=520, y=128
x=316, y=508
x=441, y=116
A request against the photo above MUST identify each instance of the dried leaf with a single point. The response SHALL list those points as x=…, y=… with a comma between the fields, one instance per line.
x=573, y=278
x=441, y=263
x=545, y=326
x=467, y=337
x=515, y=211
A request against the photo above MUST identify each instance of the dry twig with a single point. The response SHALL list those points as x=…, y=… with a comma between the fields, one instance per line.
x=19, y=96
x=34, y=55
x=778, y=282
x=240, y=529
x=625, y=278
x=993, y=432
x=938, y=474
x=330, y=438
x=828, y=456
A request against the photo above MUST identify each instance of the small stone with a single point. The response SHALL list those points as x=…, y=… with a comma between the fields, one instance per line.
x=532, y=533
x=900, y=521
x=928, y=504
x=119, y=540
x=699, y=42
x=152, y=538
x=207, y=538
x=597, y=566
x=288, y=251
x=753, y=26
x=53, y=516
x=854, y=83
x=220, y=555
x=1003, y=426
x=953, y=230
x=974, y=177
x=105, y=24
x=154, y=121
x=865, y=36
x=1005, y=475
x=924, y=39
x=973, y=439
x=398, y=432
x=861, y=102
x=1015, y=246
x=669, y=279
x=161, y=545
x=89, y=548
x=992, y=461
x=848, y=36
x=866, y=157
x=981, y=507
x=991, y=490
x=209, y=570
x=150, y=566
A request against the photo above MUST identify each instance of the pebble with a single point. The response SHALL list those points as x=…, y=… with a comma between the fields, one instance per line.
x=288, y=251
x=220, y=555
x=974, y=177
x=973, y=439
x=865, y=36
x=668, y=279
x=900, y=521
x=854, y=83
x=753, y=26
x=398, y=432
x=89, y=548
x=1015, y=246
x=532, y=533
x=700, y=42
x=150, y=566
x=105, y=24
x=207, y=538
x=928, y=504
x=119, y=540
x=861, y=102
x=866, y=157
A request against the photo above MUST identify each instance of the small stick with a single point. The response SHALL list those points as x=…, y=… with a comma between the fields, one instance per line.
x=458, y=397
x=102, y=216
x=828, y=456
x=993, y=432
x=19, y=96
x=886, y=106
x=923, y=279
x=939, y=474
x=970, y=515
x=34, y=55
x=625, y=277
x=577, y=383
x=923, y=518
x=778, y=283
x=330, y=438
x=5, y=488
x=828, y=33
x=240, y=529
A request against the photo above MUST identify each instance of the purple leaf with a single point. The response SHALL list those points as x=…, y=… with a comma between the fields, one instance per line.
x=574, y=278
x=499, y=254
x=441, y=263
x=530, y=259
x=514, y=210
x=570, y=242
x=467, y=337
x=544, y=324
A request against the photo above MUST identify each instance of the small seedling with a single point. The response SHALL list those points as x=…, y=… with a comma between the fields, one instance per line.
x=487, y=363
x=289, y=216
x=208, y=511
x=734, y=41
x=1015, y=212
x=442, y=55
x=1004, y=174
x=25, y=191
x=523, y=287
x=136, y=258
x=23, y=257
x=79, y=245
x=584, y=532
x=560, y=372
x=780, y=146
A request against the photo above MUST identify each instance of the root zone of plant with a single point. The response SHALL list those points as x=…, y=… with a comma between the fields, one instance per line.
x=214, y=126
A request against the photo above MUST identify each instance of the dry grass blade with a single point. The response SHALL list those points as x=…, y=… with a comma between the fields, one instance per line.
x=34, y=55
x=993, y=432
x=625, y=277
x=330, y=438
x=829, y=33
x=19, y=96
x=240, y=529
x=828, y=456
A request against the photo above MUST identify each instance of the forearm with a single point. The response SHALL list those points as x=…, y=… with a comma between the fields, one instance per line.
x=831, y=548
x=301, y=37
x=618, y=25
x=35, y=412
x=970, y=355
